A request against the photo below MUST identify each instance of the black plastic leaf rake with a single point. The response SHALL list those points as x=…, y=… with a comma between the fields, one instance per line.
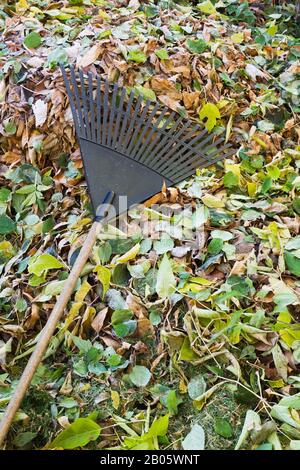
x=129, y=148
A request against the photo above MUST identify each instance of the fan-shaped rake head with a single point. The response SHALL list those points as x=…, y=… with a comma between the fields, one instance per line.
x=131, y=146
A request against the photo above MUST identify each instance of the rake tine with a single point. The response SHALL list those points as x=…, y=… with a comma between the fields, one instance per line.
x=143, y=158
x=98, y=108
x=84, y=101
x=105, y=112
x=77, y=98
x=151, y=132
x=71, y=99
x=188, y=173
x=132, y=123
x=185, y=157
x=172, y=158
x=170, y=148
x=147, y=126
x=204, y=158
x=112, y=113
x=119, y=114
x=92, y=106
x=125, y=120
x=167, y=141
x=140, y=123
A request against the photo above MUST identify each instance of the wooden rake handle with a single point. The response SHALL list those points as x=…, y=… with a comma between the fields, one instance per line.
x=48, y=331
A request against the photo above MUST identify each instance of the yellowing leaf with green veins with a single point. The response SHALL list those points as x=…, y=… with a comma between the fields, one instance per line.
x=166, y=282
x=272, y=30
x=129, y=255
x=137, y=56
x=201, y=280
x=104, y=276
x=41, y=264
x=115, y=398
x=78, y=434
x=234, y=168
x=82, y=292
x=210, y=114
x=237, y=38
x=207, y=7
x=212, y=201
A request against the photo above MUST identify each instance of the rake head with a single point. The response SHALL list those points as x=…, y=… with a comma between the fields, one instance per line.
x=130, y=146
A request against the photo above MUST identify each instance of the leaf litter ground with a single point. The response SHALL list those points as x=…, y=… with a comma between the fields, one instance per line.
x=185, y=334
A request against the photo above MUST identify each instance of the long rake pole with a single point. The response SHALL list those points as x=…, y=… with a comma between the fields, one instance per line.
x=47, y=332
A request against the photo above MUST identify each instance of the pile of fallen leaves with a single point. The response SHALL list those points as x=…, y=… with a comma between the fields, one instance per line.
x=184, y=329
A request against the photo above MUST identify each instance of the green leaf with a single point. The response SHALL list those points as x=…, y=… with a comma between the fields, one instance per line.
x=7, y=225
x=162, y=54
x=223, y=428
x=140, y=376
x=292, y=263
x=165, y=283
x=159, y=427
x=122, y=323
x=78, y=434
x=33, y=40
x=196, y=46
x=42, y=263
x=209, y=112
x=24, y=438
x=10, y=127
x=137, y=56
x=5, y=195
x=146, y=93
x=195, y=439
x=215, y=246
x=172, y=402
x=105, y=252
x=267, y=184
x=104, y=276
x=230, y=180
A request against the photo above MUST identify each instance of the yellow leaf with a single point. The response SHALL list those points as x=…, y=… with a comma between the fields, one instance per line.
x=82, y=292
x=131, y=254
x=76, y=306
x=103, y=14
x=252, y=187
x=81, y=223
x=103, y=275
x=210, y=113
x=21, y=6
x=272, y=30
x=212, y=201
x=182, y=386
x=115, y=397
x=202, y=281
x=237, y=38
x=276, y=383
x=207, y=7
x=260, y=142
x=228, y=128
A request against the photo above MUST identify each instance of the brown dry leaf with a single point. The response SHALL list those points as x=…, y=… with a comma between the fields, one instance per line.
x=170, y=102
x=33, y=318
x=90, y=56
x=99, y=319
